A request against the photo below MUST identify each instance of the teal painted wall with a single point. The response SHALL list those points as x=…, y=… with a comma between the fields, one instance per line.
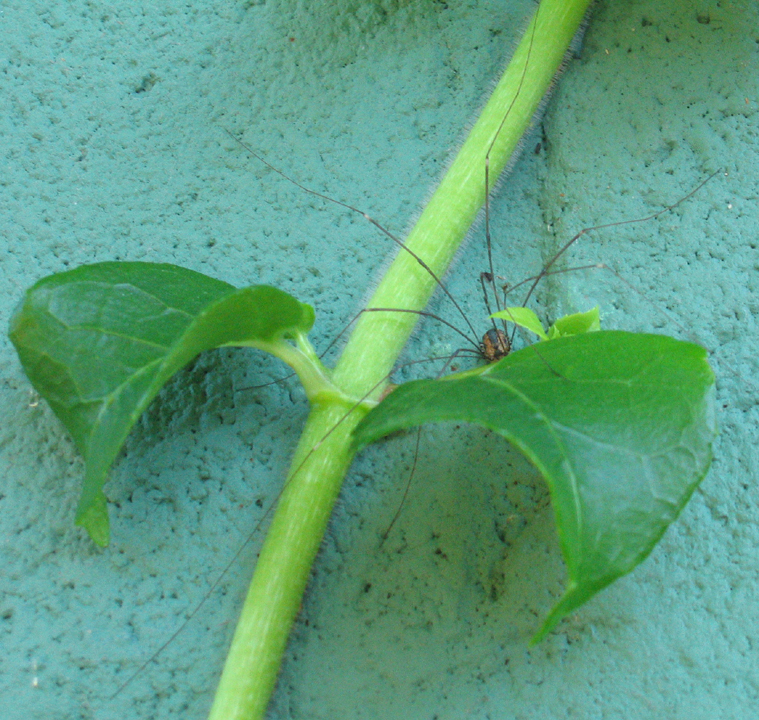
x=113, y=147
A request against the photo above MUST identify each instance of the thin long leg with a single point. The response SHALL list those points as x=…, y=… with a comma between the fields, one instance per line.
x=367, y=217
x=485, y=280
x=422, y=313
x=621, y=278
x=490, y=275
x=604, y=226
x=405, y=491
x=385, y=535
x=488, y=239
x=251, y=535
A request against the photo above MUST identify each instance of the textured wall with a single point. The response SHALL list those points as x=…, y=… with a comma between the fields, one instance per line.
x=113, y=147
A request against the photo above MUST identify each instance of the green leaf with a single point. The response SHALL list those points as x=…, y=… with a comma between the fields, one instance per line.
x=524, y=317
x=576, y=324
x=620, y=425
x=100, y=341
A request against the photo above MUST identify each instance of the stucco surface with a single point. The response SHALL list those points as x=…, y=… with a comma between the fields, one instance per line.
x=113, y=147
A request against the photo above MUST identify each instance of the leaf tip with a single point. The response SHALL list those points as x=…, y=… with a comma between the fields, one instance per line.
x=94, y=519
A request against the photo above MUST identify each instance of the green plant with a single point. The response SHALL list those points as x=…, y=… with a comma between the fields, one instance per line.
x=579, y=406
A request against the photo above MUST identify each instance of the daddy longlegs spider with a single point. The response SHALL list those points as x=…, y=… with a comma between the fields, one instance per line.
x=494, y=344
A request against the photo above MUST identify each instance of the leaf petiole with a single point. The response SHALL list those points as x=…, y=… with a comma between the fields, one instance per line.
x=313, y=375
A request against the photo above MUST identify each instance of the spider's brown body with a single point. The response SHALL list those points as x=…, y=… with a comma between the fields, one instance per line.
x=495, y=345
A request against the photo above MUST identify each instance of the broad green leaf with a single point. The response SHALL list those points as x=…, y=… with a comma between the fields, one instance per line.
x=524, y=317
x=99, y=342
x=620, y=426
x=576, y=324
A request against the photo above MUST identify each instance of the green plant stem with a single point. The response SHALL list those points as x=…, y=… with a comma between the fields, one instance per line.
x=284, y=564
x=324, y=452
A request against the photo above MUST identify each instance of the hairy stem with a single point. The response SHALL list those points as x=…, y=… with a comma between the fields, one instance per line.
x=324, y=453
